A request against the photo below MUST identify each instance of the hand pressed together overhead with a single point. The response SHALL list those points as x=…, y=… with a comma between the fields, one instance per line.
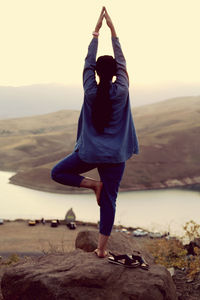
x=104, y=14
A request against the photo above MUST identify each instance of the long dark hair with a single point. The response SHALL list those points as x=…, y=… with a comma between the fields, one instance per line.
x=102, y=106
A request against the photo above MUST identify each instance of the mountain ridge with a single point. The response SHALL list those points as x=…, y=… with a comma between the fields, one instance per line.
x=168, y=135
x=38, y=99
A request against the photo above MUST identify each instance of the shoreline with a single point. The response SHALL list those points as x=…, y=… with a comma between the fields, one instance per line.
x=180, y=184
x=83, y=224
x=185, y=183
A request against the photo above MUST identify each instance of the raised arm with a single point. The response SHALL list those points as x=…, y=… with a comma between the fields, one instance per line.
x=89, y=81
x=122, y=75
x=110, y=23
x=99, y=23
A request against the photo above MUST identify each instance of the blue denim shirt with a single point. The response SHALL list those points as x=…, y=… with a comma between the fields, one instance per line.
x=118, y=141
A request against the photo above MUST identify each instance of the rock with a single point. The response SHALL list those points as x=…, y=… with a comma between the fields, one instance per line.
x=117, y=243
x=82, y=275
x=87, y=240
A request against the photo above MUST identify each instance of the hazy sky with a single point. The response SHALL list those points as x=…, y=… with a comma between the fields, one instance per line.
x=45, y=41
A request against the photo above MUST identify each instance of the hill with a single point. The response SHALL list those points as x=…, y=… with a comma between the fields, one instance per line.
x=168, y=134
x=39, y=99
x=23, y=101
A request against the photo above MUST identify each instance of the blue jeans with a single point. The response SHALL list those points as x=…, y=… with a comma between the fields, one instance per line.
x=67, y=172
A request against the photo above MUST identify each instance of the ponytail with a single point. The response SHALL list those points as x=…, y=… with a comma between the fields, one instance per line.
x=102, y=105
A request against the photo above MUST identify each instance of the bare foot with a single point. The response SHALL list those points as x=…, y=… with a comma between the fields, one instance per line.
x=95, y=185
x=100, y=253
x=97, y=189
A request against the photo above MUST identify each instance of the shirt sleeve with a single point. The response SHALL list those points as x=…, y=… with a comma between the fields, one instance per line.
x=89, y=81
x=122, y=75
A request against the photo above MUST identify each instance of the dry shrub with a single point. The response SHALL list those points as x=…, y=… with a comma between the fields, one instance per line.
x=194, y=264
x=171, y=253
x=12, y=259
x=53, y=248
x=192, y=230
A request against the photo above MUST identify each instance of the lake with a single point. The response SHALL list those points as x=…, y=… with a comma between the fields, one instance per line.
x=156, y=210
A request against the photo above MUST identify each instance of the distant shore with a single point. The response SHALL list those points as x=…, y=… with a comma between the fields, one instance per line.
x=184, y=183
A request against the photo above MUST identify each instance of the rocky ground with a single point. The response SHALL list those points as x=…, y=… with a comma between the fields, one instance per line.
x=19, y=238
x=186, y=290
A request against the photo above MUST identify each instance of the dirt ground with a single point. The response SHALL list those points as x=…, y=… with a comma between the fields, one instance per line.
x=18, y=237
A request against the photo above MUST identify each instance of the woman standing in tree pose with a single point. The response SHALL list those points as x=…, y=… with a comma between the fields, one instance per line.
x=106, y=135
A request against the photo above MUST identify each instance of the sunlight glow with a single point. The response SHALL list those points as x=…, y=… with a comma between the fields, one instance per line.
x=46, y=41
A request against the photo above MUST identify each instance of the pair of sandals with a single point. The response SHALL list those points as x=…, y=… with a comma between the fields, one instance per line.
x=129, y=261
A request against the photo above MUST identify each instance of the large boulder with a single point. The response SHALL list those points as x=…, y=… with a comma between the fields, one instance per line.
x=82, y=275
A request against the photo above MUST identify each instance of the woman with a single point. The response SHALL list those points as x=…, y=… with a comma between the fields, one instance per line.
x=106, y=135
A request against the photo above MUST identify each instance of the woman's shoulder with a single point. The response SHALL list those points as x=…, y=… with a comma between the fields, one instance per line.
x=119, y=90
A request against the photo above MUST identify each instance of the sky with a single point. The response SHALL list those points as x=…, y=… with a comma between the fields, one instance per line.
x=45, y=41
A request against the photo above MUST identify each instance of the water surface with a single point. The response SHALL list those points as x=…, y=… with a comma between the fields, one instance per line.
x=157, y=210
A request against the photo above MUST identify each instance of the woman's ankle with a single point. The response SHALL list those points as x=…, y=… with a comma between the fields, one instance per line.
x=102, y=243
x=101, y=253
